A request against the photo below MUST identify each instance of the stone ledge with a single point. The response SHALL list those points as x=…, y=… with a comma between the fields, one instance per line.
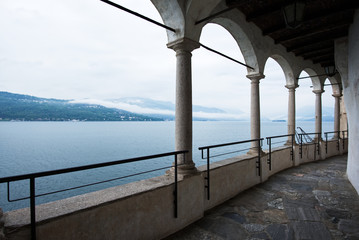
x=63, y=207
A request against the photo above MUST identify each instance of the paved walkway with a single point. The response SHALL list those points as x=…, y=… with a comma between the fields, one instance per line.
x=312, y=201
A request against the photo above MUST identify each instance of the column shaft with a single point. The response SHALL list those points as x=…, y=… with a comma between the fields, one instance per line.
x=336, y=115
x=183, y=118
x=291, y=111
x=255, y=111
x=318, y=112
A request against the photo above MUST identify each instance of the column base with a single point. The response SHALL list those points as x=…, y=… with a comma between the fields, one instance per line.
x=184, y=170
x=254, y=151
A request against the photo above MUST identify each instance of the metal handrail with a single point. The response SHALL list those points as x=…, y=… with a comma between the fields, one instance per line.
x=258, y=163
x=307, y=138
x=317, y=144
x=269, y=143
x=32, y=176
x=326, y=140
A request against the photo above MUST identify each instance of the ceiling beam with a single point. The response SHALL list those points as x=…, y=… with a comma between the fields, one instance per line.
x=323, y=29
x=327, y=63
x=323, y=38
x=269, y=9
x=311, y=50
x=323, y=57
x=333, y=13
x=314, y=53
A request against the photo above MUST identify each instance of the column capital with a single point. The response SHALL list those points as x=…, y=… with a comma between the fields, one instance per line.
x=318, y=91
x=337, y=95
x=292, y=86
x=255, y=76
x=184, y=44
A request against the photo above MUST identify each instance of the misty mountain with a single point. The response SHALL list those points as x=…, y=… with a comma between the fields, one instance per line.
x=165, y=109
x=28, y=108
x=162, y=105
x=307, y=113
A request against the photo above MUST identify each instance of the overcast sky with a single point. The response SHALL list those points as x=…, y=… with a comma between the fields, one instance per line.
x=80, y=49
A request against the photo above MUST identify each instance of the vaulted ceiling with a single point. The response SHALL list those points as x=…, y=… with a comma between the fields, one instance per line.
x=323, y=22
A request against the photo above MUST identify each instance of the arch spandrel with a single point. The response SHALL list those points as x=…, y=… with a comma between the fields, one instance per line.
x=182, y=16
x=172, y=15
x=335, y=82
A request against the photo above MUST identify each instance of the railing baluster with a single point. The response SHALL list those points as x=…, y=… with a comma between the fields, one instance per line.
x=32, y=208
x=176, y=189
x=269, y=160
x=259, y=158
x=208, y=180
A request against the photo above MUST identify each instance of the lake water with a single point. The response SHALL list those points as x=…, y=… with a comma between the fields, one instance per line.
x=27, y=147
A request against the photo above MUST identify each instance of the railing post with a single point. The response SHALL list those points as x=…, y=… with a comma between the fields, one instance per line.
x=259, y=158
x=32, y=209
x=269, y=160
x=301, y=146
x=175, y=193
x=338, y=138
x=207, y=178
x=292, y=151
x=319, y=138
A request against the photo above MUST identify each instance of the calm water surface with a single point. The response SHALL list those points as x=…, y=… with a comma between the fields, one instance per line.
x=27, y=147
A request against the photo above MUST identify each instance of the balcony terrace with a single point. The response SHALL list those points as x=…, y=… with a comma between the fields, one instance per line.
x=311, y=201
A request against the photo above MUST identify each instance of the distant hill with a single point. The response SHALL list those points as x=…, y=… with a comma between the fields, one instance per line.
x=166, y=110
x=307, y=113
x=28, y=108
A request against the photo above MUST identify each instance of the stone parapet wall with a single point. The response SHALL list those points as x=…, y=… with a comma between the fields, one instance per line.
x=145, y=209
x=2, y=222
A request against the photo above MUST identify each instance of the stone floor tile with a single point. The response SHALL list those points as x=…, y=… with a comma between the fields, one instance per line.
x=311, y=201
x=235, y=217
x=348, y=226
x=279, y=232
x=310, y=230
x=305, y=214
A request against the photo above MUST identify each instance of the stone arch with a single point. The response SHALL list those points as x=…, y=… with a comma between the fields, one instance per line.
x=182, y=15
x=244, y=43
x=336, y=84
x=286, y=68
x=317, y=81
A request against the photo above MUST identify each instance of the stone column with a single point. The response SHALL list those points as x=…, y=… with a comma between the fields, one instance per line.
x=183, y=118
x=255, y=111
x=291, y=112
x=337, y=97
x=318, y=112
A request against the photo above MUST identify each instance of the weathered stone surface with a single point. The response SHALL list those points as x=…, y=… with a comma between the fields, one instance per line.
x=261, y=235
x=254, y=227
x=2, y=223
x=301, y=203
x=279, y=231
x=235, y=217
x=339, y=214
x=348, y=226
x=226, y=229
x=310, y=230
x=305, y=214
x=276, y=203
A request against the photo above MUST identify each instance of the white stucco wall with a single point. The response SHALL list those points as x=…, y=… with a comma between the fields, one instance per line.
x=351, y=96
